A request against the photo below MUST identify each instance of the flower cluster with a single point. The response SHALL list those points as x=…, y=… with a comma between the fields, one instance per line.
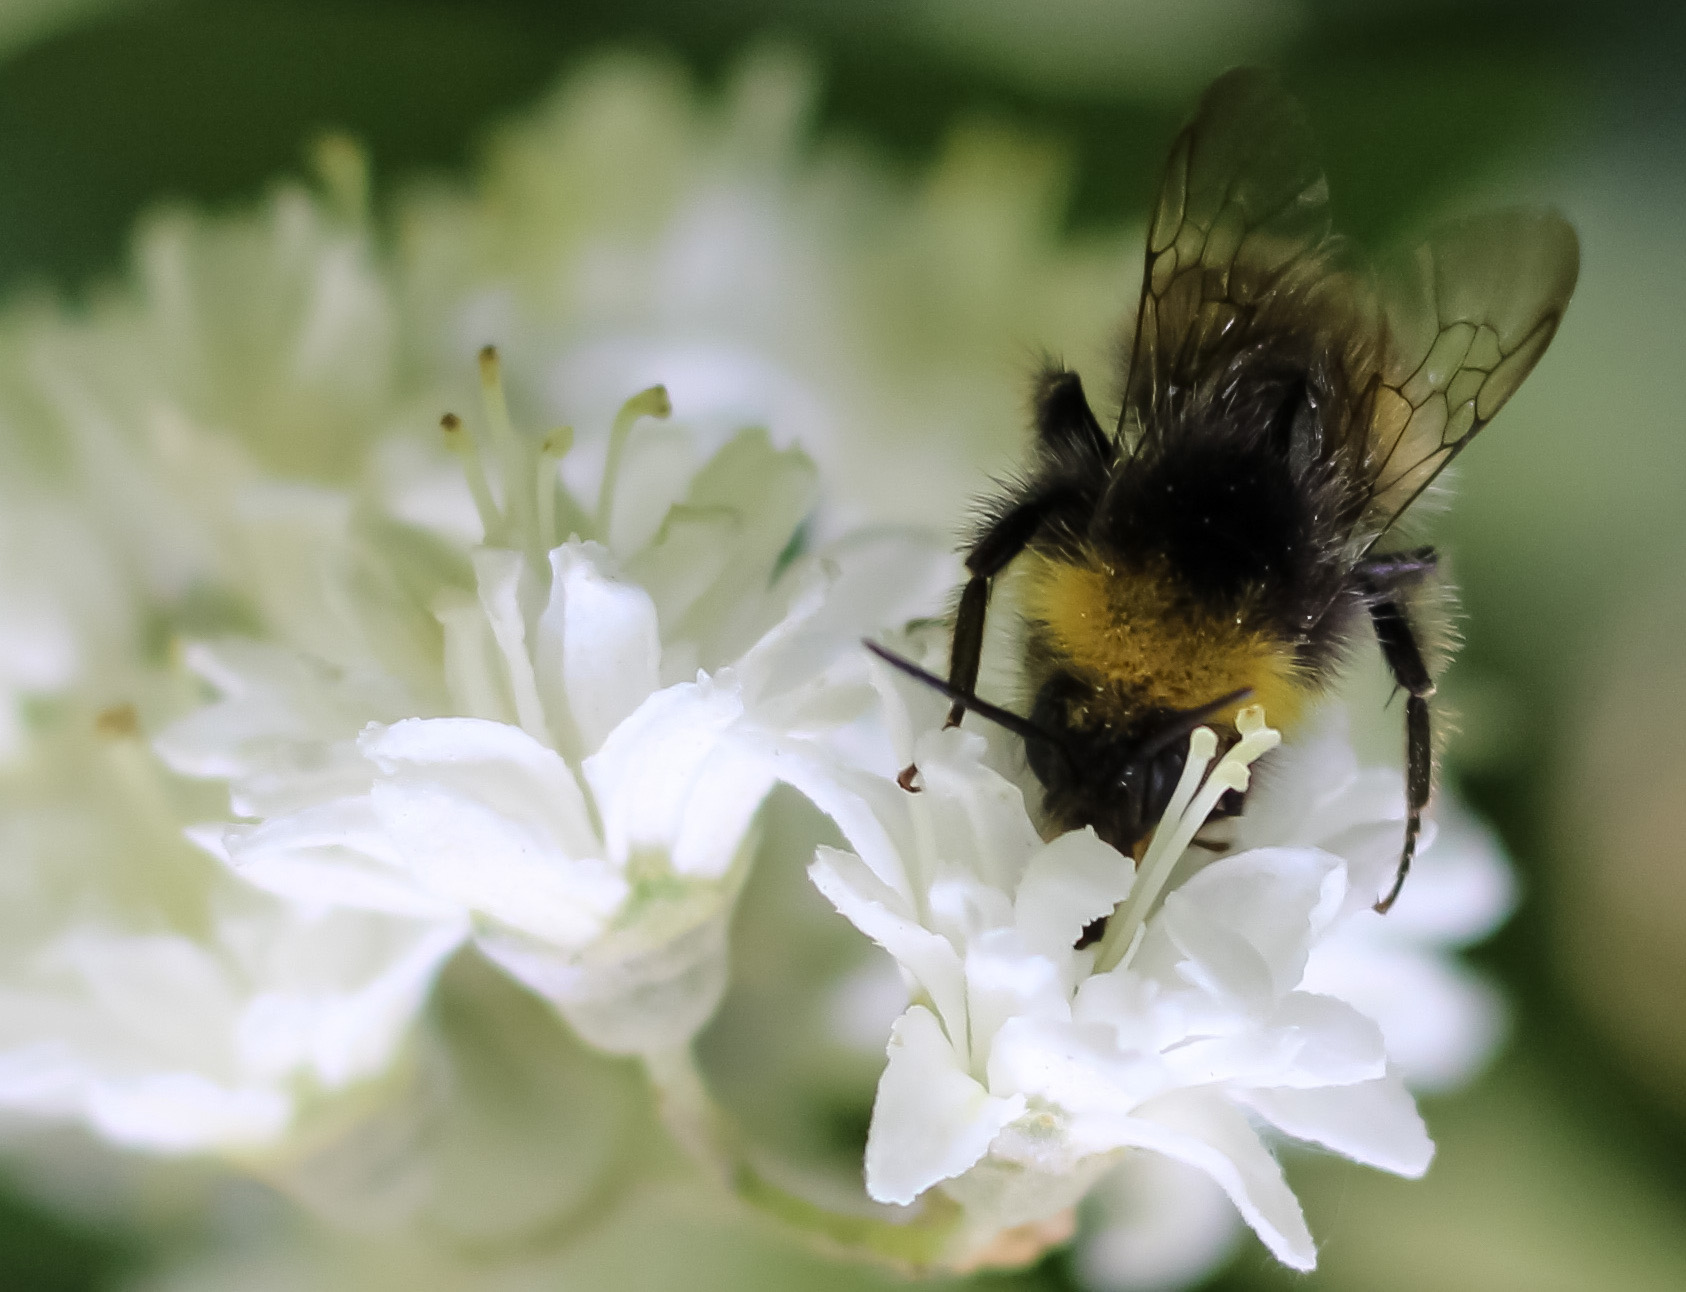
x=307, y=705
x=553, y=747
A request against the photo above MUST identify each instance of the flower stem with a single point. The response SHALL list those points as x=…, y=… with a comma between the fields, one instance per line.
x=709, y=1136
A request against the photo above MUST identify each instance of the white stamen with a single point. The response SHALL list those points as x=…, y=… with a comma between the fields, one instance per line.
x=551, y=452
x=470, y=675
x=515, y=457
x=1184, y=815
x=646, y=403
x=461, y=441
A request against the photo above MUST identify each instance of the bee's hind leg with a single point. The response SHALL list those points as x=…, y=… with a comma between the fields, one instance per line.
x=1405, y=660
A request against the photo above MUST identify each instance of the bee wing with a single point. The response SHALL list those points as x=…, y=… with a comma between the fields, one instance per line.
x=1467, y=315
x=1243, y=204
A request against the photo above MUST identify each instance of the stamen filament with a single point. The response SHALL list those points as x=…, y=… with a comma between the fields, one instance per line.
x=646, y=403
x=1122, y=928
x=513, y=455
x=460, y=440
x=551, y=452
x=470, y=675
x=342, y=168
x=138, y=775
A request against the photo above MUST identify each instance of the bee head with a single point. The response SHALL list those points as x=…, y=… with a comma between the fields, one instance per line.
x=1094, y=774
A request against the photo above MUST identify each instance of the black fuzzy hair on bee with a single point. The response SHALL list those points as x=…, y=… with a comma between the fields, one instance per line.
x=1283, y=407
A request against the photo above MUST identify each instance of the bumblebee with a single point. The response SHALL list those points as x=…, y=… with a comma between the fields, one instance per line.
x=1284, y=405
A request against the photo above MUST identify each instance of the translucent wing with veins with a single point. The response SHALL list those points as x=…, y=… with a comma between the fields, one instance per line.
x=1240, y=256
x=1467, y=314
x=1242, y=218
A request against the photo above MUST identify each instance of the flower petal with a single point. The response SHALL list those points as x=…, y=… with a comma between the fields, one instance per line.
x=1003, y=981
x=506, y=586
x=484, y=815
x=675, y=779
x=931, y=1121
x=658, y=460
x=336, y=854
x=1441, y=1020
x=495, y=763
x=877, y=911
x=976, y=812
x=1248, y=921
x=679, y=567
x=184, y=1112
x=864, y=808
x=1070, y=882
x=1075, y=1067
x=1306, y=1041
x=599, y=648
x=769, y=491
x=1373, y=1122
x=1202, y=1129
x=351, y=986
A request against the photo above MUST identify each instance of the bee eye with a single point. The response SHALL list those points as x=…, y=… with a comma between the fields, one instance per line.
x=1160, y=783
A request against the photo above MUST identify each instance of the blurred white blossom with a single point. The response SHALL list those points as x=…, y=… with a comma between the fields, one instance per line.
x=248, y=348
x=144, y=994
x=65, y=614
x=565, y=754
x=622, y=235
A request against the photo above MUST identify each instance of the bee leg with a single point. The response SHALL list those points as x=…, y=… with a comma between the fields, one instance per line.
x=966, y=651
x=1006, y=536
x=1076, y=452
x=1405, y=660
x=1074, y=449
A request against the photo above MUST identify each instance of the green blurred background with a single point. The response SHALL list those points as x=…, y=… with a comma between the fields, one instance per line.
x=1565, y=1166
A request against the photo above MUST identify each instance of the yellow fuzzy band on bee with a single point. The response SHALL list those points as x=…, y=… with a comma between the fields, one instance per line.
x=1138, y=629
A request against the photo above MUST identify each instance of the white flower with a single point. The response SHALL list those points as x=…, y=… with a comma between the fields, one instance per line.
x=570, y=754
x=1026, y=1068
x=1441, y=1020
x=1150, y=1225
x=245, y=348
x=144, y=992
x=628, y=232
x=65, y=613
x=154, y=999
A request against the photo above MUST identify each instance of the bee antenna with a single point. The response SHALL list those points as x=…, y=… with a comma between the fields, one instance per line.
x=1185, y=721
x=1015, y=723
